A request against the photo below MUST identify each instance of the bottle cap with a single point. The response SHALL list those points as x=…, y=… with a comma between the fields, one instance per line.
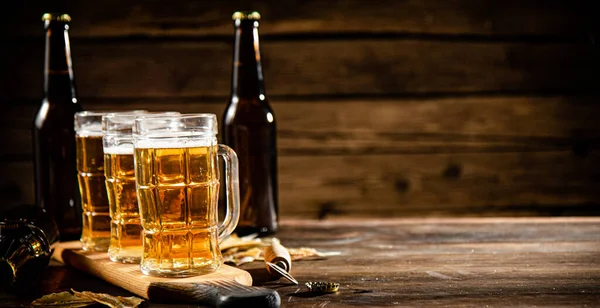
x=57, y=17
x=246, y=15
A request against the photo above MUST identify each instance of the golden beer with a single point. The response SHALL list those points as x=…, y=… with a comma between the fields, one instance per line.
x=178, y=189
x=126, y=231
x=177, y=182
x=94, y=201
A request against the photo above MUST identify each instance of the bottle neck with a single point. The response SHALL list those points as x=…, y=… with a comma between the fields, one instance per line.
x=247, y=78
x=59, y=84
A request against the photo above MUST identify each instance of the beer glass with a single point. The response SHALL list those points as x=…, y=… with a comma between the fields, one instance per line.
x=177, y=179
x=119, y=170
x=95, y=234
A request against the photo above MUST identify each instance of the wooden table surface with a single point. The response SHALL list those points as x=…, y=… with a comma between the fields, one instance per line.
x=420, y=262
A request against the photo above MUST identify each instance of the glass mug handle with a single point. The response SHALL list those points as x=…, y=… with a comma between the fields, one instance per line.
x=232, y=191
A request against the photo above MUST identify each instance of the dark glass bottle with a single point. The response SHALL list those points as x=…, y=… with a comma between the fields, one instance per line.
x=56, y=187
x=249, y=128
x=25, y=250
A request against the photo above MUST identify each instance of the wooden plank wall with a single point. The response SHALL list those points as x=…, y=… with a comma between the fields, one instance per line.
x=385, y=108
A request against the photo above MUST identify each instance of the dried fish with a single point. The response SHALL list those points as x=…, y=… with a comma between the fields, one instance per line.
x=109, y=300
x=240, y=257
x=306, y=252
x=62, y=299
x=241, y=250
x=85, y=298
x=234, y=241
x=244, y=260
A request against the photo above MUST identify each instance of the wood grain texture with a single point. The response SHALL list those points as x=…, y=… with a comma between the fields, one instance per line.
x=439, y=184
x=401, y=185
x=485, y=17
x=448, y=262
x=393, y=108
x=382, y=126
x=165, y=68
x=129, y=275
x=405, y=157
x=227, y=287
x=424, y=262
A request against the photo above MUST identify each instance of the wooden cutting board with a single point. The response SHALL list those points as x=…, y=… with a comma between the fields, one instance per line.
x=227, y=287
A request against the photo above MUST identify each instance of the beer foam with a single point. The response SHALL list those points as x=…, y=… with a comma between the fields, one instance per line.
x=175, y=143
x=89, y=133
x=91, y=130
x=123, y=149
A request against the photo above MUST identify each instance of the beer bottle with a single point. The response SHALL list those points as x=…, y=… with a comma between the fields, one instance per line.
x=25, y=251
x=249, y=128
x=56, y=188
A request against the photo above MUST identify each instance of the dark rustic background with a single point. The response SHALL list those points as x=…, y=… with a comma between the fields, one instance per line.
x=385, y=108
